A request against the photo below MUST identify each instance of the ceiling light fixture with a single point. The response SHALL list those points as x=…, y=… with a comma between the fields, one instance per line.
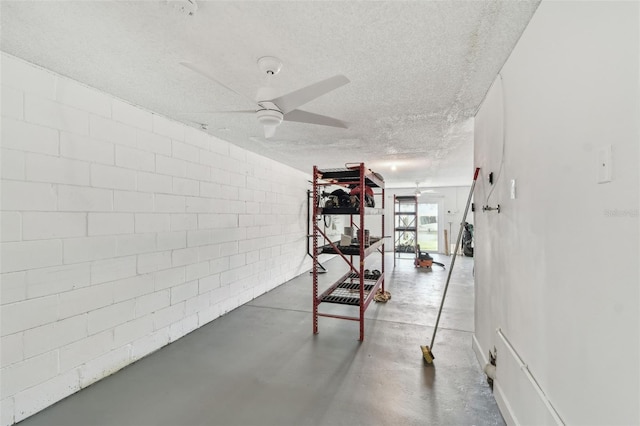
x=394, y=167
x=270, y=119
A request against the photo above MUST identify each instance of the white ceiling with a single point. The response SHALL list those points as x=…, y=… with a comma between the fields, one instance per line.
x=418, y=70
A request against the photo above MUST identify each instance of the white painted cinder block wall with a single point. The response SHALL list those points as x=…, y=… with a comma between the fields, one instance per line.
x=557, y=269
x=123, y=231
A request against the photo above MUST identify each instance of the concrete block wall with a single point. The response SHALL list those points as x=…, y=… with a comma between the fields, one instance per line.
x=123, y=231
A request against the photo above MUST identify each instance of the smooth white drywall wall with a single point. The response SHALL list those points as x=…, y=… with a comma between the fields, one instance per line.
x=123, y=231
x=557, y=268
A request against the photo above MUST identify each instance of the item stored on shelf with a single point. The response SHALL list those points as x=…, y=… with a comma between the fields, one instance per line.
x=369, y=201
x=345, y=240
x=338, y=198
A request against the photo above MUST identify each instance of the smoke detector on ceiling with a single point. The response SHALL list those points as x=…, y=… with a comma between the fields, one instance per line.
x=188, y=7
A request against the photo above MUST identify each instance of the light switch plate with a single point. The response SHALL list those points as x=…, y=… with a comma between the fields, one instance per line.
x=603, y=164
x=513, y=189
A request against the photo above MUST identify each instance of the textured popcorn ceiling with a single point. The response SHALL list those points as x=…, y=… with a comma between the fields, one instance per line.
x=418, y=70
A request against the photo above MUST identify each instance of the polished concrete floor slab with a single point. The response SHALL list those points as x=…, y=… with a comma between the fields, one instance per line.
x=261, y=365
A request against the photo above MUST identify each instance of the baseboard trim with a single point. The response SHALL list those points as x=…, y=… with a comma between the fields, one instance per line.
x=498, y=393
x=503, y=404
x=482, y=360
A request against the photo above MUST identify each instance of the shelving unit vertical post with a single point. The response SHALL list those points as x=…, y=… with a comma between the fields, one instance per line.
x=315, y=208
x=355, y=288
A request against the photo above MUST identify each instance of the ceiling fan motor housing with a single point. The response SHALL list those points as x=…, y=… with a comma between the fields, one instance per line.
x=264, y=96
x=268, y=113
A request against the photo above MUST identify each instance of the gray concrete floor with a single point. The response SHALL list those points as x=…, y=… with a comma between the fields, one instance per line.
x=261, y=365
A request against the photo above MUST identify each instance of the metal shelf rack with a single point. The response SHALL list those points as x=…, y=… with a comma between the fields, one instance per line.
x=405, y=225
x=355, y=288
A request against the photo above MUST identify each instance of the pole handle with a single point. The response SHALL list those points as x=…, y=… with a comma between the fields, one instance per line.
x=453, y=259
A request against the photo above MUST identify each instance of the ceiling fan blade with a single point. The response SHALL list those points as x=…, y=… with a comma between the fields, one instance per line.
x=269, y=131
x=203, y=72
x=244, y=111
x=293, y=100
x=311, y=118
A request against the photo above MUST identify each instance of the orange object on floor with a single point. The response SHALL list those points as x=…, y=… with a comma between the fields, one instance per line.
x=423, y=263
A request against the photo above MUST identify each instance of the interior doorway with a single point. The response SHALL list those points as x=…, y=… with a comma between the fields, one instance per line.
x=428, y=229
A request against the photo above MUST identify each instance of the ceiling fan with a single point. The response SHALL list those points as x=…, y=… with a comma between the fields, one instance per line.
x=271, y=110
x=418, y=192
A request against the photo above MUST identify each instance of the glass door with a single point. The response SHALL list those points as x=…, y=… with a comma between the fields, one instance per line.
x=428, y=226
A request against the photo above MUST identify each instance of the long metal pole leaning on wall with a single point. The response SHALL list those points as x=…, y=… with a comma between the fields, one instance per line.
x=427, y=350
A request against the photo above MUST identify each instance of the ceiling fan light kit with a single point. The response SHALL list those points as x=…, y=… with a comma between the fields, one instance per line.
x=269, y=117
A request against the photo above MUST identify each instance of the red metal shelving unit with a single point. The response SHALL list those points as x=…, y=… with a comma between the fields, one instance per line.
x=354, y=288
